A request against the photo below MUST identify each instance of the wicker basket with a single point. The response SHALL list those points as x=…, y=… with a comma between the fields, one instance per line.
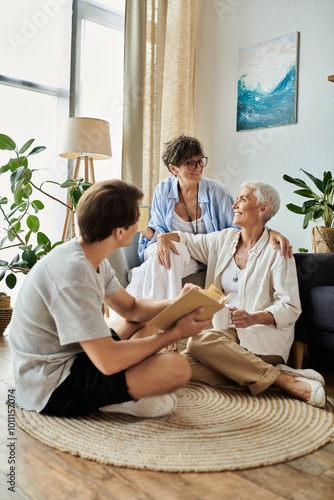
x=5, y=312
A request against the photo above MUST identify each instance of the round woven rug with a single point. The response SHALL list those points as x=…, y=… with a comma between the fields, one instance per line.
x=209, y=431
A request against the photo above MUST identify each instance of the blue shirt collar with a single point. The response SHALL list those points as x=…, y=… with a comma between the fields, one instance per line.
x=202, y=191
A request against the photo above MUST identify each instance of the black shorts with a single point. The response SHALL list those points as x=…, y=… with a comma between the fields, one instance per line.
x=86, y=389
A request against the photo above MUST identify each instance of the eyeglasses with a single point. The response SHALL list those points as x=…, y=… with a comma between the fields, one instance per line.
x=192, y=165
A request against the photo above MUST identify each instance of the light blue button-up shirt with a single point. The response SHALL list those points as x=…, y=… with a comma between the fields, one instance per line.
x=213, y=198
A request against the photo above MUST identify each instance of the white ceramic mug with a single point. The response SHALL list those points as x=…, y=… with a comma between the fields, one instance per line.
x=221, y=320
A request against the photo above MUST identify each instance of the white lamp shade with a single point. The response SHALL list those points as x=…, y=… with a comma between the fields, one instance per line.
x=86, y=137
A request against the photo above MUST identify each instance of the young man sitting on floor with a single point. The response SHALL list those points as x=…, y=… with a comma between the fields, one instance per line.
x=67, y=362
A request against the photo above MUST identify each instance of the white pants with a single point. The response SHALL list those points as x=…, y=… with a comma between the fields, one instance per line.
x=153, y=281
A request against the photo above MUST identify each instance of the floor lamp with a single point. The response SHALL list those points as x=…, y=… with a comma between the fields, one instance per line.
x=84, y=139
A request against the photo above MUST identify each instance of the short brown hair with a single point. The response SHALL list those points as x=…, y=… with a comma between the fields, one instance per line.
x=181, y=149
x=106, y=206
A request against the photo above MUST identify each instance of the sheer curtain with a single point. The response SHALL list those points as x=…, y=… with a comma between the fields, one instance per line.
x=160, y=38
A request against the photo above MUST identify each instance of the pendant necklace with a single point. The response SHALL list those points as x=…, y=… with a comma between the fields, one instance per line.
x=236, y=277
x=195, y=231
x=237, y=272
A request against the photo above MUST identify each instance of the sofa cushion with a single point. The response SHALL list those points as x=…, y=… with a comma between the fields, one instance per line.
x=322, y=303
x=118, y=263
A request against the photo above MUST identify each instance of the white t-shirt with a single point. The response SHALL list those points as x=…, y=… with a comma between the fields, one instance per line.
x=230, y=279
x=179, y=224
x=58, y=306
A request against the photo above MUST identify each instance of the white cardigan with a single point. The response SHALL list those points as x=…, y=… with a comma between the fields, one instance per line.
x=269, y=283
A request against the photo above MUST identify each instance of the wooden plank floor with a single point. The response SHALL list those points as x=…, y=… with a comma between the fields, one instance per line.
x=43, y=473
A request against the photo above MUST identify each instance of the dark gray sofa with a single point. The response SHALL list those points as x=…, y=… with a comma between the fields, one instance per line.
x=315, y=326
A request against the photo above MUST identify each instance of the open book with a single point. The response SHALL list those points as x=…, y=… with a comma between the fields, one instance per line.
x=212, y=299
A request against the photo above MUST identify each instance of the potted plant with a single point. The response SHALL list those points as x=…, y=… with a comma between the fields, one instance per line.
x=21, y=218
x=318, y=205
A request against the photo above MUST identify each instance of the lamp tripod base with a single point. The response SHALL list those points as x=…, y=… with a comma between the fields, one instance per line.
x=89, y=172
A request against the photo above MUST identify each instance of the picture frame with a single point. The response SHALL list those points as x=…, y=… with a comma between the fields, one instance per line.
x=267, y=83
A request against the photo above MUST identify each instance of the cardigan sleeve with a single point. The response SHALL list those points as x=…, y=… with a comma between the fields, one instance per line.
x=286, y=307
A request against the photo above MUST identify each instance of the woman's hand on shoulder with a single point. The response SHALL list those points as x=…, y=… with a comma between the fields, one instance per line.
x=276, y=238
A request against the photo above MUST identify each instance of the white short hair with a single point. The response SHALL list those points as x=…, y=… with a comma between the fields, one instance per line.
x=265, y=193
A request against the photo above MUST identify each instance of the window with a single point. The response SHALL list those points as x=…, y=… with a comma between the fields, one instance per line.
x=37, y=73
x=99, y=72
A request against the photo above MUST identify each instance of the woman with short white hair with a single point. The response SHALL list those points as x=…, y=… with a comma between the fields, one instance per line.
x=264, y=307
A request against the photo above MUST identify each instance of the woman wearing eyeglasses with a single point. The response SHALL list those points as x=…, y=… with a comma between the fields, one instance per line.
x=186, y=202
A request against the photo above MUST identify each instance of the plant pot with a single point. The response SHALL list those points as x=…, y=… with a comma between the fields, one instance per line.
x=322, y=239
x=5, y=312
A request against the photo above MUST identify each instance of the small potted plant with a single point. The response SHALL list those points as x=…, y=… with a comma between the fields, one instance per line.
x=319, y=205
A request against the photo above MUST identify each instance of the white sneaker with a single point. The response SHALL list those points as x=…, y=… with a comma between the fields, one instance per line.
x=308, y=373
x=150, y=407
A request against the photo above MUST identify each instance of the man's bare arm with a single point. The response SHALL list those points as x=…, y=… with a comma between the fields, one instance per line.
x=110, y=356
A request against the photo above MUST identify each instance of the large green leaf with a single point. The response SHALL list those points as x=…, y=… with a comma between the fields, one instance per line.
x=37, y=248
x=309, y=204
x=11, y=280
x=296, y=181
x=3, y=241
x=23, y=161
x=26, y=175
x=21, y=263
x=5, y=168
x=12, y=212
x=14, y=164
x=76, y=195
x=316, y=181
x=294, y=208
x=27, y=191
x=3, y=263
x=38, y=205
x=19, y=192
x=329, y=188
x=7, y=143
x=16, y=175
x=26, y=146
x=36, y=150
x=51, y=182
x=30, y=257
x=67, y=184
x=308, y=193
x=318, y=213
x=326, y=183
x=307, y=218
x=33, y=223
x=56, y=244
x=86, y=185
x=27, y=236
x=43, y=240
x=15, y=259
x=14, y=228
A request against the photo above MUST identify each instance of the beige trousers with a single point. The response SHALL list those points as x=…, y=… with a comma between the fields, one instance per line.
x=217, y=359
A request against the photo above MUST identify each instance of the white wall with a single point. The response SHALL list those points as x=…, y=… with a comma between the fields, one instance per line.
x=224, y=27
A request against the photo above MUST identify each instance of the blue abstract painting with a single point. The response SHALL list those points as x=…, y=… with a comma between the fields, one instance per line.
x=267, y=83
